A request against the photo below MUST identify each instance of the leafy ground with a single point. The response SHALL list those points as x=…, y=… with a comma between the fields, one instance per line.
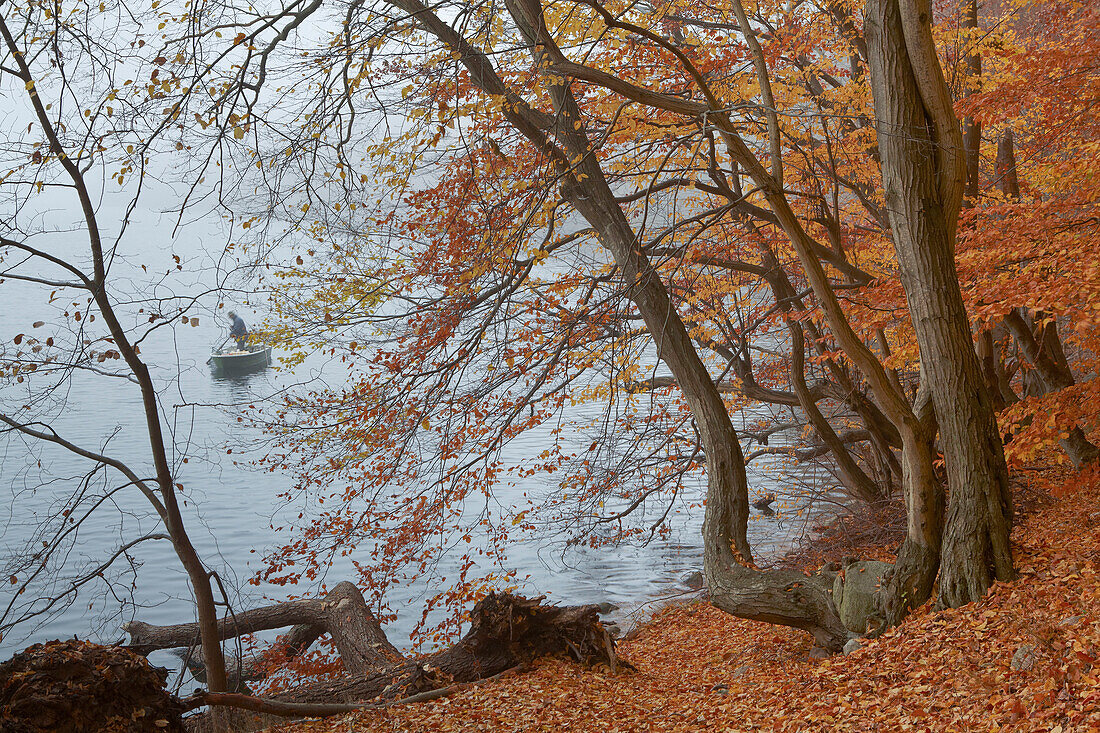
x=699, y=669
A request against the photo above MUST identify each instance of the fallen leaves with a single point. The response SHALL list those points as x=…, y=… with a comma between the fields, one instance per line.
x=700, y=669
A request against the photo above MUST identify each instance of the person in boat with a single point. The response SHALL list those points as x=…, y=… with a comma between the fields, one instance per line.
x=237, y=330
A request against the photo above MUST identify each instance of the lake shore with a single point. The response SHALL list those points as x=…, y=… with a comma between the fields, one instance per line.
x=1020, y=659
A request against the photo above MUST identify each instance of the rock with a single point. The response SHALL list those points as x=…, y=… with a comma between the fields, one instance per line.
x=854, y=594
x=614, y=630
x=607, y=607
x=817, y=653
x=764, y=502
x=694, y=580
x=851, y=645
x=1025, y=657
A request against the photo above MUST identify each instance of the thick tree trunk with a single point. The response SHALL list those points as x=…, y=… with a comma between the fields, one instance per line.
x=921, y=178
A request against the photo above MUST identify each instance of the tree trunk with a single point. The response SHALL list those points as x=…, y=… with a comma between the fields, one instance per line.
x=854, y=478
x=506, y=631
x=776, y=597
x=1048, y=359
x=921, y=178
x=197, y=574
x=1005, y=168
x=910, y=582
x=972, y=128
x=342, y=613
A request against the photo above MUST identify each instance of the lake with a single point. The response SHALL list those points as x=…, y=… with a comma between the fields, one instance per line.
x=231, y=508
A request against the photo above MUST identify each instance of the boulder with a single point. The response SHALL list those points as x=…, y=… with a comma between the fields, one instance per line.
x=854, y=594
x=851, y=645
x=694, y=580
x=1025, y=657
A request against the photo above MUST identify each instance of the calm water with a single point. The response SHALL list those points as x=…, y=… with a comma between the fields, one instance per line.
x=230, y=508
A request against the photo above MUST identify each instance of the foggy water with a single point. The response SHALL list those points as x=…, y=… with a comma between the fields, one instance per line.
x=231, y=509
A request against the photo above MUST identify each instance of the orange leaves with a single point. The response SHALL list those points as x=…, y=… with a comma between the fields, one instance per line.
x=700, y=669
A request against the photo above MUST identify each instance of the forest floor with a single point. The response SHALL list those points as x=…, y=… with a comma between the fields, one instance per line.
x=700, y=669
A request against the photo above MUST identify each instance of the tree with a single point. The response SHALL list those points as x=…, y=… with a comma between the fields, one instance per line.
x=61, y=150
x=648, y=112
x=924, y=172
x=559, y=140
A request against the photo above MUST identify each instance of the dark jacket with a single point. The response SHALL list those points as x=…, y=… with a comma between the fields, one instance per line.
x=238, y=330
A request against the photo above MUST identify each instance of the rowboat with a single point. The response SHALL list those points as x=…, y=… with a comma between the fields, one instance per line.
x=237, y=361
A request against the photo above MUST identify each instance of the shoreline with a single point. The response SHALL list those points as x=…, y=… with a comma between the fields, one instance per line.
x=1026, y=657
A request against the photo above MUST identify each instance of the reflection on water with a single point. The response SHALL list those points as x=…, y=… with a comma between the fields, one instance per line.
x=238, y=385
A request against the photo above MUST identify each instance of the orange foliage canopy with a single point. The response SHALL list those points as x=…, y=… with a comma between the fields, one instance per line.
x=474, y=308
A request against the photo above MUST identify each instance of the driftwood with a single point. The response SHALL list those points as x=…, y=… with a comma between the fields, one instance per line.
x=506, y=631
x=764, y=503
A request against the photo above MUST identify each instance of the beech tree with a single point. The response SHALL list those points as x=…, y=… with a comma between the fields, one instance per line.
x=924, y=173
x=61, y=158
x=670, y=213
x=643, y=126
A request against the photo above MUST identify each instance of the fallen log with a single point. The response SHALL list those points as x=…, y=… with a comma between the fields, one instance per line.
x=342, y=613
x=322, y=710
x=255, y=666
x=506, y=631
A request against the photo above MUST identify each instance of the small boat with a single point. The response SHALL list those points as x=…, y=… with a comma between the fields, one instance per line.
x=241, y=361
